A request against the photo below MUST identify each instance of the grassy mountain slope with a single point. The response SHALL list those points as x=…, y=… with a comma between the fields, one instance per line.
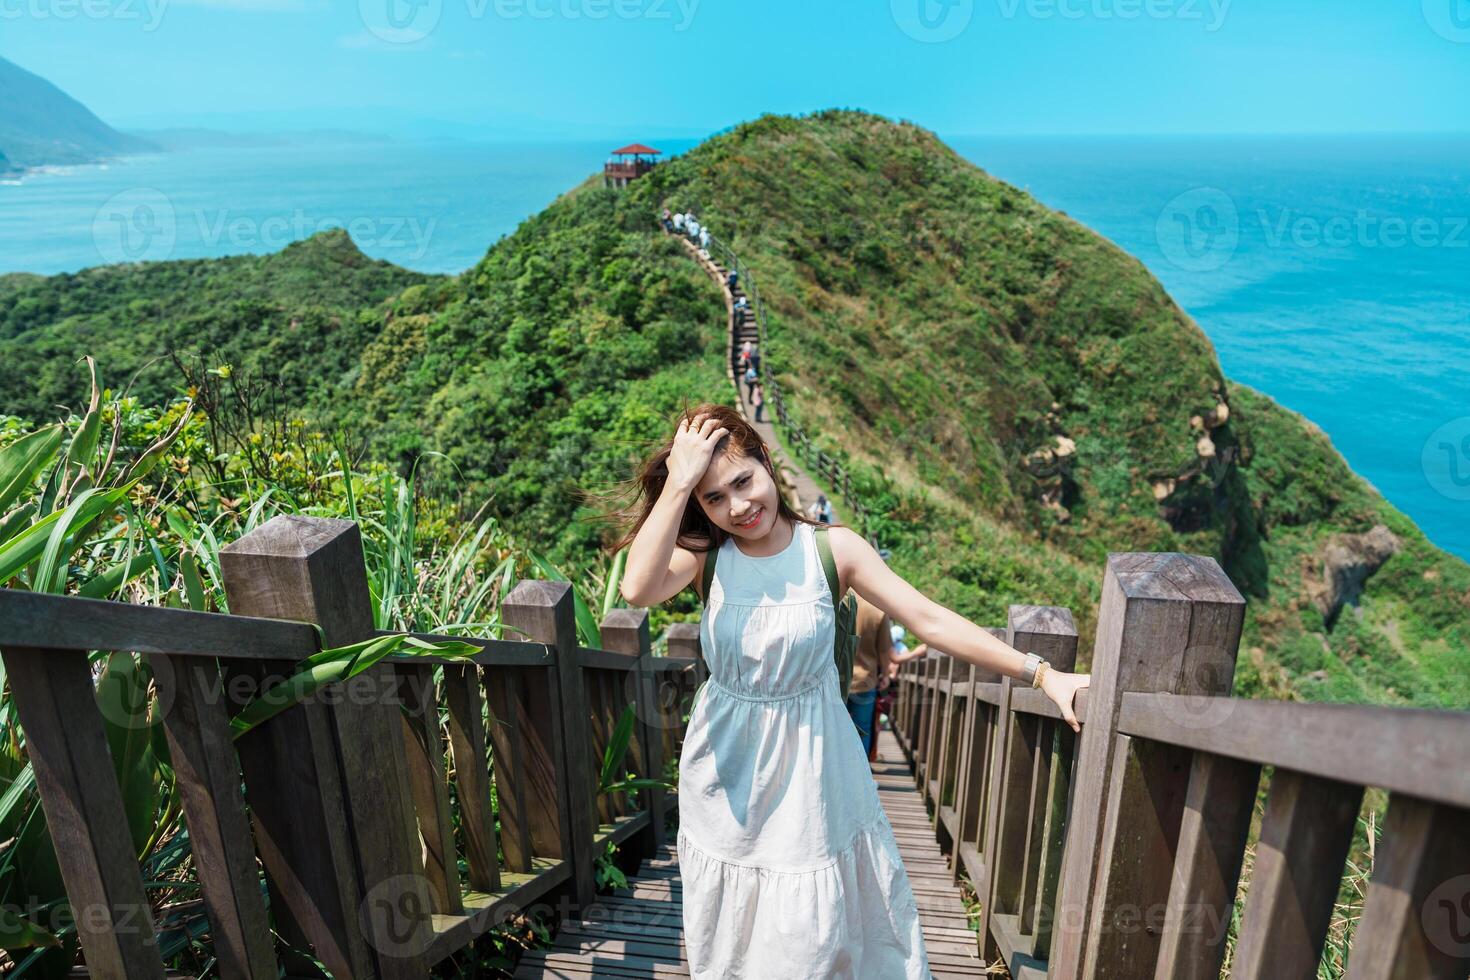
x=304, y=314
x=1017, y=396
x=949, y=333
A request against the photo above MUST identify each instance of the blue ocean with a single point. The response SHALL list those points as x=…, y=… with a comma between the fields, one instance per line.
x=1331, y=273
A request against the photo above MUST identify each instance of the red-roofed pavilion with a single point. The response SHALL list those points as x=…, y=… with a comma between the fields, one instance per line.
x=628, y=164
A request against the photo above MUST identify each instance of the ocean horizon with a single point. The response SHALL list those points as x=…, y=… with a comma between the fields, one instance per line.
x=1329, y=272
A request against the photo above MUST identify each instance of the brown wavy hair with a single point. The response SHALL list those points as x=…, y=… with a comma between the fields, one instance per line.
x=696, y=532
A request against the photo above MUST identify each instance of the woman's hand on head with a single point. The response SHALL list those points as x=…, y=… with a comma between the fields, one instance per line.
x=1062, y=688
x=694, y=447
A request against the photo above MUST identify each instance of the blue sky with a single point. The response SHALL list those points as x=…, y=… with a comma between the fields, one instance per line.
x=651, y=68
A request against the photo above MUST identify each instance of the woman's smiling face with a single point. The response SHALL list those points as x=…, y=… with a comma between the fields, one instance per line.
x=739, y=496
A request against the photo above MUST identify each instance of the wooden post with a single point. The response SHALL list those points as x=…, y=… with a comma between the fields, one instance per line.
x=543, y=612
x=1050, y=633
x=68, y=749
x=208, y=776
x=626, y=631
x=1168, y=623
x=327, y=781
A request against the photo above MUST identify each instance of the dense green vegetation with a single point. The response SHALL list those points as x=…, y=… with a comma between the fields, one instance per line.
x=1017, y=396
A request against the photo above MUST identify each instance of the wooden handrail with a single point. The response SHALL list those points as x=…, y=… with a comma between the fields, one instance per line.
x=1118, y=852
x=387, y=898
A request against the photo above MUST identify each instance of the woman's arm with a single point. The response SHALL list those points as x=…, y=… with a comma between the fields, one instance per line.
x=859, y=567
x=657, y=570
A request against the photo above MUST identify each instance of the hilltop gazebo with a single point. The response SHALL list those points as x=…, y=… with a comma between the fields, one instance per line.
x=628, y=164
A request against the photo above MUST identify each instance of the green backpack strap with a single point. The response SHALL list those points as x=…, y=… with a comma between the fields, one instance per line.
x=844, y=643
x=708, y=575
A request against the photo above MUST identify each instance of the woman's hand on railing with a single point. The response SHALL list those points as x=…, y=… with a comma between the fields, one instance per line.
x=1062, y=688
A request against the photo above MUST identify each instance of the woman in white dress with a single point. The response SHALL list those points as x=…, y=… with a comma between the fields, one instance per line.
x=789, y=864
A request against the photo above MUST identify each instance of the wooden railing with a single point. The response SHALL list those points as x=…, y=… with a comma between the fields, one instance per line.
x=348, y=793
x=1118, y=852
x=817, y=461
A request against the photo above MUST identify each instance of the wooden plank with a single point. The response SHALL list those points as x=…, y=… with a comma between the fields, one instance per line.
x=626, y=631
x=1417, y=752
x=35, y=620
x=1416, y=920
x=495, y=653
x=1140, y=834
x=1167, y=622
x=1212, y=837
x=67, y=745
x=1305, y=836
x=312, y=570
x=462, y=692
x=1037, y=783
x=1054, y=834
x=424, y=749
x=558, y=745
x=207, y=774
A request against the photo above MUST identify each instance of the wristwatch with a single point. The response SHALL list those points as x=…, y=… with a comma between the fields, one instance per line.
x=1030, y=669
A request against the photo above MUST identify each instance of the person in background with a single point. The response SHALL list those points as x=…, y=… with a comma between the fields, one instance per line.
x=745, y=350
x=827, y=517
x=899, y=654
x=668, y=220
x=751, y=377
x=875, y=644
x=679, y=220
x=758, y=399
x=733, y=280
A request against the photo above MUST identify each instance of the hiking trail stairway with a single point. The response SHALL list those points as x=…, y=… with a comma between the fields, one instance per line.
x=638, y=932
x=742, y=328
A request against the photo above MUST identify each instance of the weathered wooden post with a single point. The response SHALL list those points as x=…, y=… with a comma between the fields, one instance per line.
x=327, y=780
x=68, y=749
x=626, y=631
x=543, y=612
x=1020, y=781
x=977, y=730
x=1168, y=623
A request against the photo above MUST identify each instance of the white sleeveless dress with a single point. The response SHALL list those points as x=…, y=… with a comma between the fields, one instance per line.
x=790, y=869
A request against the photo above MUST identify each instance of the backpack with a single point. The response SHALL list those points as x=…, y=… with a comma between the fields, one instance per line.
x=844, y=644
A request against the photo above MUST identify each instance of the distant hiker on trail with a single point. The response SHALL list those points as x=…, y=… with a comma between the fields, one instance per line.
x=668, y=220
x=875, y=644
x=745, y=352
x=741, y=304
x=820, y=511
x=733, y=281
x=679, y=220
x=693, y=228
x=751, y=377
x=758, y=399
x=704, y=238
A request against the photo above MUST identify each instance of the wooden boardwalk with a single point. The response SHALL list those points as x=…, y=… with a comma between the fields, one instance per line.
x=638, y=931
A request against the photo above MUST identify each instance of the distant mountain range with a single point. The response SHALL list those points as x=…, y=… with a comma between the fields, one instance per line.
x=41, y=125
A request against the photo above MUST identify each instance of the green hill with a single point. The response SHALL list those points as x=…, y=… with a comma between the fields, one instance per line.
x=1017, y=396
x=40, y=125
